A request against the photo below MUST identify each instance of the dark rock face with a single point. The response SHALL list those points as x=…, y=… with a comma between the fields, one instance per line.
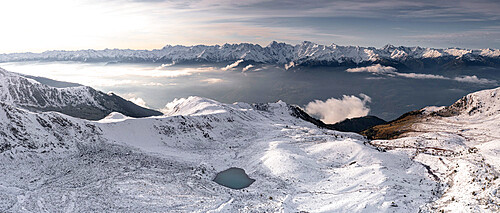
x=104, y=104
x=393, y=129
x=358, y=124
x=456, y=108
x=52, y=83
x=110, y=103
x=299, y=113
x=349, y=125
x=115, y=103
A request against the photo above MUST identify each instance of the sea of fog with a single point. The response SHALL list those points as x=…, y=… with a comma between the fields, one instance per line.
x=155, y=85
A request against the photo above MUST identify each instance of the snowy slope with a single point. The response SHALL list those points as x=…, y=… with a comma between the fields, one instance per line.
x=51, y=162
x=305, y=53
x=78, y=101
x=478, y=105
x=167, y=163
x=461, y=146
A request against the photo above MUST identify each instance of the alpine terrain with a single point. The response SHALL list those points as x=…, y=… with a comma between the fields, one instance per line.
x=74, y=100
x=304, y=54
x=447, y=159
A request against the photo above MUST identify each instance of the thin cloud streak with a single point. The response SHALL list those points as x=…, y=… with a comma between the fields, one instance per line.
x=389, y=71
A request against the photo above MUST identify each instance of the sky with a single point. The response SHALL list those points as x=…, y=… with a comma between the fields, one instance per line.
x=35, y=26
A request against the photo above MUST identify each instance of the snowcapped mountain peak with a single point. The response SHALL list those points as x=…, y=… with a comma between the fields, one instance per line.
x=193, y=105
x=307, y=43
x=304, y=53
x=276, y=44
x=388, y=47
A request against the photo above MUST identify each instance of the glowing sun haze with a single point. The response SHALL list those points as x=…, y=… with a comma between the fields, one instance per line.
x=34, y=25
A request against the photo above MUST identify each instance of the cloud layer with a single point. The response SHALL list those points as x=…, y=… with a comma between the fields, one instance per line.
x=474, y=79
x=376, y=68
x=248, y=67
x=233, y=65
x=380, y=70
x=141, y=24
x=212, y=80
x=334, y=110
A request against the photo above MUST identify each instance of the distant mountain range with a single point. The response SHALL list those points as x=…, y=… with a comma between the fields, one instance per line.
x=287, y=55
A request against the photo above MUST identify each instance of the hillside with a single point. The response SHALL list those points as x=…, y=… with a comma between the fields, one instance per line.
x=71, y=99
x=168, y=163
x=460, y=145
x=54, y=162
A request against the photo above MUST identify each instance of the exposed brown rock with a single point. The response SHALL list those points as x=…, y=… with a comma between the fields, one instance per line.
x=395, y=128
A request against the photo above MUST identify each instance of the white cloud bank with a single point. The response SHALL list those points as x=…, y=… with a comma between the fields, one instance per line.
x=233, y=65
x=247, y=68
x=212, y=80
x=378, y=69
x=138, y=101
x=335, y=110
x=474, y=79
x=421, y=76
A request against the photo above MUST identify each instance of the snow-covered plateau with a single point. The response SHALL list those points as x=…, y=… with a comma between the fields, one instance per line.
x=305, y=53
x=51, y=162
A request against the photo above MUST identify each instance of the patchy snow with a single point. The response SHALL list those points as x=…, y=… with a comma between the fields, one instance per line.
x=430, y=109
x=461, y=151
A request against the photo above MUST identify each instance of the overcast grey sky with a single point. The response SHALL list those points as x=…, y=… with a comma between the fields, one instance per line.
x=33, y=25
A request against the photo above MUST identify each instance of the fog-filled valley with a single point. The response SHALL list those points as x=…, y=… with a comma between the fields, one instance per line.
x=382, y=90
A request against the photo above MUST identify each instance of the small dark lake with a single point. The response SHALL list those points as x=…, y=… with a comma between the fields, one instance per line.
x=234, y=178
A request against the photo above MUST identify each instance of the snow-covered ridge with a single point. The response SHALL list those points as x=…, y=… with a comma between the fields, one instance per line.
x=167, y=163
x=460, y=144
x=484, y=103
x=274, y=53
x=26, y=92
x=194, y=106
x=77, y=101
